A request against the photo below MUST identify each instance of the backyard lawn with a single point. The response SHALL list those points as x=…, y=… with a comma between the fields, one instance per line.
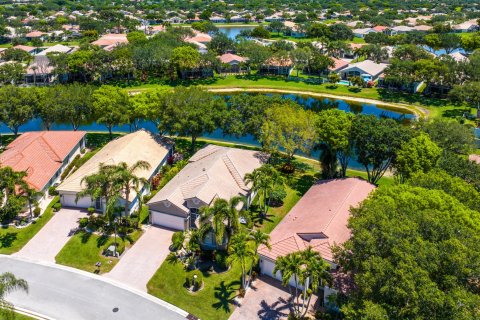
x=84, y=249
x=13, y=239
x=213, y=302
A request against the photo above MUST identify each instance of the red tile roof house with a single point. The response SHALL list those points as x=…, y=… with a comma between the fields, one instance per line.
x=233, y=61
x=318, y=220
x=43, y=155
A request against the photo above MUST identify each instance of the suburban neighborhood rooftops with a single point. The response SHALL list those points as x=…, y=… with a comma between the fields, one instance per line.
x=24, y=48
x=319, y=219
x=60, y=48
x=130, y=148
x=339, y=64
x=111, y=39
x=212, y=172
x=40, y=154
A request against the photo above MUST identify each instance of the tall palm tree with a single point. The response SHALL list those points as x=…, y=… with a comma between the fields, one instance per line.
x=258, y=238
x=11, y=181
x=264, y=180
x=222, y=218
x=241, y=251
x=9, y=283
x=308, y=270
x=104, y=184
x=130, y=181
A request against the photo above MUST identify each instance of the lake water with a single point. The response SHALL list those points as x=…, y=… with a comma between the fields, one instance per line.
x=306, y=101
x=232, y=32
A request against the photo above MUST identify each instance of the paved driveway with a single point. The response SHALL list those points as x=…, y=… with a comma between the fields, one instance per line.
x=63, y=293
x=266, y=300
x=46, y=244
x=142, y=260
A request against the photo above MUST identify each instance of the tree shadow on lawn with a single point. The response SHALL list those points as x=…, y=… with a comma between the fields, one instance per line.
x=6, y=240
x=454, y=113
x=225, y=294
x=102, y=240
x=85, y=237
x=260, y=219
x=279, y=309
x=302, y=183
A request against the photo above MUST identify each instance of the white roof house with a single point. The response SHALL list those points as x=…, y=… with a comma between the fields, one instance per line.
x=130, y=148
x=59, y=48
x=361, y=33
x=213, y=172
x=467, y=26
x=366, y=67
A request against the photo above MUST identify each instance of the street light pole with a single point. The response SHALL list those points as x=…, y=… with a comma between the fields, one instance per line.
x=115, y=227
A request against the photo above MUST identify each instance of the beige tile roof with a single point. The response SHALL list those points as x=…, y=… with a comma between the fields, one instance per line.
x=40, y=154
x=319, y=219
x=212, y=172
x=130, y=148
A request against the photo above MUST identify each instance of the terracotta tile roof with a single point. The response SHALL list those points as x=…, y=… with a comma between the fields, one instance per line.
x=35, y=34
x=339, y=64
x=379, y=28
x=230, y=57
x=319, y=219
x=111, y=39
x=40, y=153
x=24, y=48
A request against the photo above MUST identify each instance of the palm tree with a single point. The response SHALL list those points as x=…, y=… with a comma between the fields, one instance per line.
x=264, y=179
x=10, y=180
x=103, y=184
x=308, y=270
x=258, y=238
x=222, y=218
x=241, y=251
x=130, y=181
x=9, y=283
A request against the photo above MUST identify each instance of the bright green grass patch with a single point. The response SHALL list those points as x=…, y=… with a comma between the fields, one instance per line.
x=84, y=249
x=358, y=40
x=384, y=181
x=213, y=302
x=13, y=239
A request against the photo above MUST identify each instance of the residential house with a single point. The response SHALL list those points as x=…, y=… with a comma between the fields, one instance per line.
x=380, y=28
x=277, y=66
x=339, y=65
x=361, y=33
x=110, y=40
x=294, y=30
x=218, y=19
x=58, y=48
x=467, y=26
x=199, y=37
x=44, y=155
x=238, y=19
x=231, y=63
x=399, y=30
x=130, y=148
x=28, y=49
x=213, y=172
x=319, y=220
x=36, y=35
x=368, y=70
x=275, y=17
x=39, y=70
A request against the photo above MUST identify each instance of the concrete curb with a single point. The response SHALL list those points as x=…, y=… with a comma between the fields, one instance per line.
x=31, y=314
x=120, y=285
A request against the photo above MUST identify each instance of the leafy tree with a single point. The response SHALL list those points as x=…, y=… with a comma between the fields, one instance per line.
x=76, y=104
x=9, y=283
x=220, y=44
x=376, y=142
x=17, y=106
x=449, y=41
x=450, y=135
x=333, y=78
x=276, y=26
x=260, y=32
x=308, y=270
x=357, y=81
x=471, y=43
x=420, y=154
x=340, y=31
x=433, y=41
x=11, y=73
x=48, y=109
x=110, y=107
x=468, y=92
x=411, y=255
x=410, y=52
x=333, y=130
x=18, y=55
x=318, y=30
x=185, y=58
x=300, y=57
x=136, y=37
x=461, y=167
x=192, y=112
x=288, y=127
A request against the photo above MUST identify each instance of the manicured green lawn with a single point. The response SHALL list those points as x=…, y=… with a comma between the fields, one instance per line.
x=213, y=302
x=19, y=316
x=83, y=250
x=13, y=239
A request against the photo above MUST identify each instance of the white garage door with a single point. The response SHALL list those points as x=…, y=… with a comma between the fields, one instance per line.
x=68, y=200
x=167, y=220
x=267, y=267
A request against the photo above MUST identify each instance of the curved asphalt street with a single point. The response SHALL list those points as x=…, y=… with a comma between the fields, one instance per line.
x=63, y=293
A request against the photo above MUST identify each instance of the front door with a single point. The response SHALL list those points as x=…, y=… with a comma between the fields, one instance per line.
x=98, y=204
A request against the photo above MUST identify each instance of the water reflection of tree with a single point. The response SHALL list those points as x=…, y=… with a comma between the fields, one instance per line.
x=355, y=108
x=320, y=105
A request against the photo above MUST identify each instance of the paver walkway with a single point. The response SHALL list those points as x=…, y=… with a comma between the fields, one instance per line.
x=142, y=260
x=266, y=300
x=48, y=242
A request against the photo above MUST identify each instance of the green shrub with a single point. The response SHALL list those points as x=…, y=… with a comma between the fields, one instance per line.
x=277, y=196
x=69, y=167
x=57, y=206
x=83, y=222
x=95, y=223
x=37, y=211
x=91, y=210
x=221, y=259
x=53, y=191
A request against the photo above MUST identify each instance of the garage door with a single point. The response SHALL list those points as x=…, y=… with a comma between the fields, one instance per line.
x=167, y=220
x=68, y=200
x=267, y=267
